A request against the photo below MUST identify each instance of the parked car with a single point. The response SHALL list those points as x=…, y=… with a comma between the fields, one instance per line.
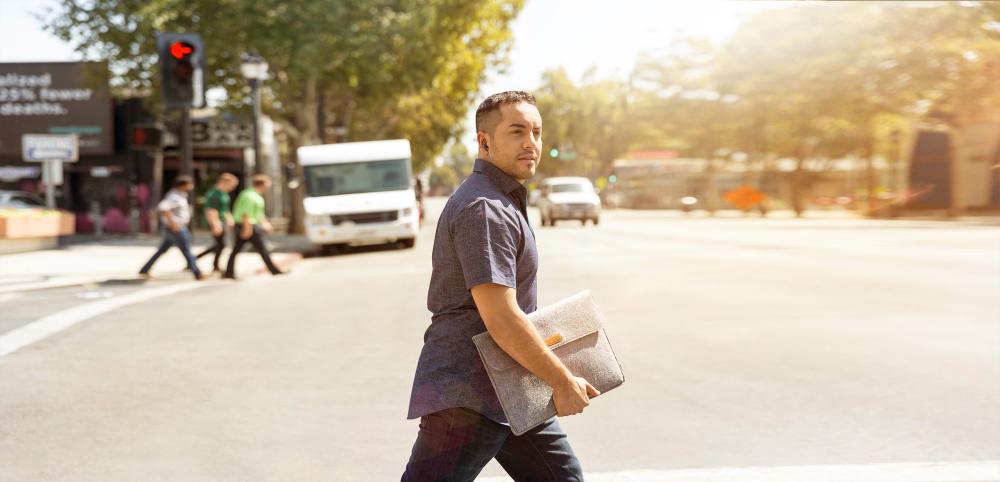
x=20, y=200
x=569, y=198
x=533, y=196
x=688, y=203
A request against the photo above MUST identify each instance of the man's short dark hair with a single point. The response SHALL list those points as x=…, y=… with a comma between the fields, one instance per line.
x=488, y=113
x=183, y=180
x=228, y=177
x=260, y=180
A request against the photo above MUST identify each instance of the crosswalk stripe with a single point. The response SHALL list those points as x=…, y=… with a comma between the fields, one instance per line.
x=37, y=330
x=979, y=471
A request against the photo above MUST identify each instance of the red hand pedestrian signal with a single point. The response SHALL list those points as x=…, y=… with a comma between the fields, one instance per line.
x=180, y=50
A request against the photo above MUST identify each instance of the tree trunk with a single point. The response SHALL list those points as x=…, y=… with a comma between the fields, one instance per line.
x=870, y=178
x=307, y=125
x=797, y=187
x=711, y=187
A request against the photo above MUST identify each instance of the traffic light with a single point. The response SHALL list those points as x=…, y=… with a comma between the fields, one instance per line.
x=554, y=153
x=182, y=62
x=612, y=179
x=146, y=137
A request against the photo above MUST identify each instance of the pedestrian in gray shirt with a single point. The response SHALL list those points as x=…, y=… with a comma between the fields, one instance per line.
x=485, y=265
x=175, y=214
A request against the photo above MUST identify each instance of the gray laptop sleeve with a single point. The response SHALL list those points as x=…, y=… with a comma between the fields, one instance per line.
x=574, y=330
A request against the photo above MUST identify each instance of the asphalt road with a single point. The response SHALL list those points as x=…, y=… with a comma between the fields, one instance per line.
x=745, y=342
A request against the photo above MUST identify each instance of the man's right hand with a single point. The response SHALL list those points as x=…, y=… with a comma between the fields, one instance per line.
x=572, y=396
x=247, y=231
x=217, y=229
x=174, y=227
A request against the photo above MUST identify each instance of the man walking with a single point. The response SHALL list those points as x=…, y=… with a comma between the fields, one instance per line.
x=252, y=224
x=175, y=214
x=217, y=215
x=484, y=278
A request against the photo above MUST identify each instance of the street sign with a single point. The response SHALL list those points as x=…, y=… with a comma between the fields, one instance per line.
x=51, y=150
x=50, y=147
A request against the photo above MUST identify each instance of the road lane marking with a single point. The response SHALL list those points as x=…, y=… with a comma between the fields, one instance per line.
x=5, y=297
x=980, y=471
x=40, y=329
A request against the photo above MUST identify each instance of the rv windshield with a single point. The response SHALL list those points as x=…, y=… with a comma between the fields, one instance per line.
x=357, y=177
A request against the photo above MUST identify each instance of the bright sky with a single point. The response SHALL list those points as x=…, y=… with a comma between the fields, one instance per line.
x=575, y=34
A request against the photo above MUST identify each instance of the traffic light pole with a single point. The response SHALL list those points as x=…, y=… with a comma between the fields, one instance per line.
x=258, y=167
x=187, y=151
x=157, y=191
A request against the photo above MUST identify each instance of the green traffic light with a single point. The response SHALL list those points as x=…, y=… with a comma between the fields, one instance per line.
x=554, y=152
x=612, y=178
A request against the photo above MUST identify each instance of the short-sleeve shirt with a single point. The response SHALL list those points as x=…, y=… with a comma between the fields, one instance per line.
x=482, y=236
x=176, y=202
x=250, y=203
x=217, y=200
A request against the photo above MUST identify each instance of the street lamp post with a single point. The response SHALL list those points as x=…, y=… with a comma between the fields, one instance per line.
x=254, y=68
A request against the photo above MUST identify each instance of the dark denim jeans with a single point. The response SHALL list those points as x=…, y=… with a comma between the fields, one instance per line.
x=181, y=239
x=455, y=444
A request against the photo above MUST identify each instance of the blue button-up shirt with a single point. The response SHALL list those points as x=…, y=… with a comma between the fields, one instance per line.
x=482, y=236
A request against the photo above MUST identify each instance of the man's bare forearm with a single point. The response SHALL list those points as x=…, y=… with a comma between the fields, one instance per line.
x=213, y=218
x=515, y=334
x=169, y=218
x=519, y=338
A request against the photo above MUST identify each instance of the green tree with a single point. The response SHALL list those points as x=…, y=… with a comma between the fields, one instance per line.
x=455, y=166
x=375, y=69
x=586, y=119
x=378, y=68
x=819, y=81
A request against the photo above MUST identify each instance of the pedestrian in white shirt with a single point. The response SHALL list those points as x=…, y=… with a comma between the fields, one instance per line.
x=175, y=214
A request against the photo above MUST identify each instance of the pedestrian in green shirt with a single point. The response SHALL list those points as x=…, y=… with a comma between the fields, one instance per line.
x=217, y=215
x=252, y=225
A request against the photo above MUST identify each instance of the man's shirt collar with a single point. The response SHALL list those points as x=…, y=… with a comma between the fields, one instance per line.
x=506, y=183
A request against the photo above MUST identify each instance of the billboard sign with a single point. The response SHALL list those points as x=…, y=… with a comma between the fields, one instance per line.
x=56, y=98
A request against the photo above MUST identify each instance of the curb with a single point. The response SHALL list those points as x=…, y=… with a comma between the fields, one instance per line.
x=283, y=260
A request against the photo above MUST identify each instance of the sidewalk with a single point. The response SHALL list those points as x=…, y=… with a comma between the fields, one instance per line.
x=87, y=259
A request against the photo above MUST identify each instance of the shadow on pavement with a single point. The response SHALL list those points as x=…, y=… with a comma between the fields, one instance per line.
x=331, y=251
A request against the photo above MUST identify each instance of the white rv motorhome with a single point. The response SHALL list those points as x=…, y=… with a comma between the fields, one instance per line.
x=359, y=193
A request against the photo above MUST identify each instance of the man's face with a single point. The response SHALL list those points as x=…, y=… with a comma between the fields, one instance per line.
x=227, y=185
x=185, y=187
x=516, y=144
x=264, y=186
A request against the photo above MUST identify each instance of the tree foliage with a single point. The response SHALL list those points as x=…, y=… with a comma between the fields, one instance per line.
x=802, y=81
x=587, y=120
x=375, y=68
x=822, y=79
